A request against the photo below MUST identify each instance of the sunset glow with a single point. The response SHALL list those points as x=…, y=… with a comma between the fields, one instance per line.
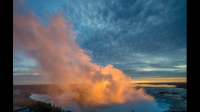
x=95, y=54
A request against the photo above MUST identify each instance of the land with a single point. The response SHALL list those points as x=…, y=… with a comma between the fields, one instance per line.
x=22, y=98
x=174, y=99
x=178, y=84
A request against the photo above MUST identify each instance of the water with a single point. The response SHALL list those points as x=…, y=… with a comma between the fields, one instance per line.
x=64, y=101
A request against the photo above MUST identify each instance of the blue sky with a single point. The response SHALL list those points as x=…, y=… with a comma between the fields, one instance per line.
x=144, y=38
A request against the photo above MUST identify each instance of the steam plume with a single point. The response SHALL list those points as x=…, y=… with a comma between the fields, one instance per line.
x=59, y=57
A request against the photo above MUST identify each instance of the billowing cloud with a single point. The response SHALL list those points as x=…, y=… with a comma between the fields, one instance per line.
x=129, y=34
x=64, y=62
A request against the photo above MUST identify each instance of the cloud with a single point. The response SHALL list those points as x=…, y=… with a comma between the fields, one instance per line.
x=121, y=32
x=128, y=34
x=181, y=66
x=64, y=62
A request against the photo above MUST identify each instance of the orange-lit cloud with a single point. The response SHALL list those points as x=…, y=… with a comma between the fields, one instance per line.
x=61, y=59
x=159, y=80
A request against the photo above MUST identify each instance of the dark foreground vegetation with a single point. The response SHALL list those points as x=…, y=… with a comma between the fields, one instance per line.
x=22, y=99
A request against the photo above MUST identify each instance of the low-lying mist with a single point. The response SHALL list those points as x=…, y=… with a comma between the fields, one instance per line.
x=67, y=103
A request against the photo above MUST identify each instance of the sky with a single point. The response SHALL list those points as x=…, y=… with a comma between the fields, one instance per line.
x=146, y=39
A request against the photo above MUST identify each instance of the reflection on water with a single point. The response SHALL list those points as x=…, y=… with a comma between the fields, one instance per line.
x=68, y=104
